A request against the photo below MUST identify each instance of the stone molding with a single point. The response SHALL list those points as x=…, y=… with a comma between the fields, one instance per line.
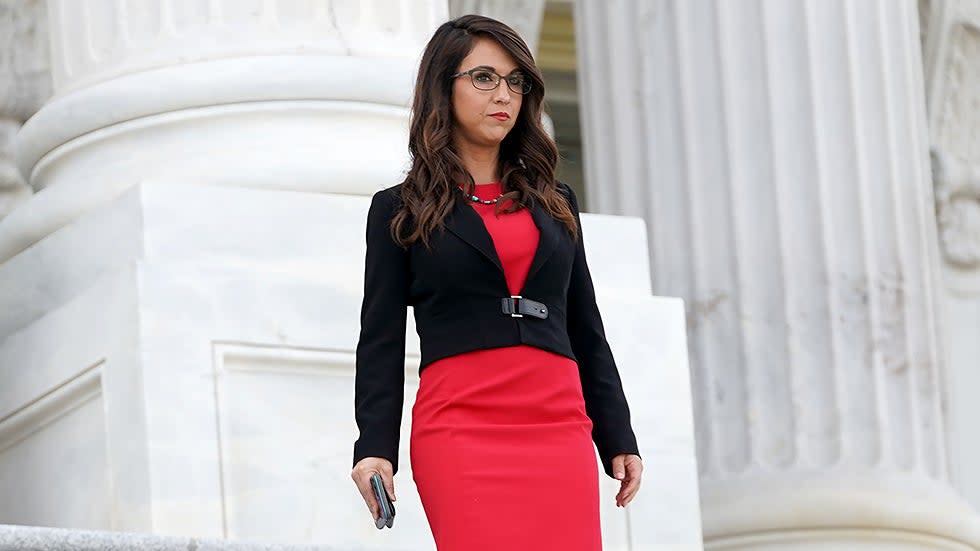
x=35, y=538
x=951, y=57
x=209, y=84
x=957, y=186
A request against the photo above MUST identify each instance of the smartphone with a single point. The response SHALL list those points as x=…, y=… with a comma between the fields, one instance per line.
x=387, y=517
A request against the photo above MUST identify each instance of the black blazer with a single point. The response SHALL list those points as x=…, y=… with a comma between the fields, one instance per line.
x=456, y=290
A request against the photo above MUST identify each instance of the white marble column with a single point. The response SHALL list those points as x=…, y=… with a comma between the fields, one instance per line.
x=176, y=89
x=779, y=153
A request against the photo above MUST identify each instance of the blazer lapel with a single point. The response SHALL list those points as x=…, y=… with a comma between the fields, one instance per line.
x=550, y=230
x=466, y=223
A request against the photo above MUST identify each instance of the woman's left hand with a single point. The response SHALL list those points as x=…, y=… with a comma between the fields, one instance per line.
x=628, y=469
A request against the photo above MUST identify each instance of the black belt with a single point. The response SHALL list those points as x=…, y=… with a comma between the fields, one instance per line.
x=518, y=306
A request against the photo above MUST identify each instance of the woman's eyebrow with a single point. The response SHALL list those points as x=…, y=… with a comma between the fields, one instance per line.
x=494, y=69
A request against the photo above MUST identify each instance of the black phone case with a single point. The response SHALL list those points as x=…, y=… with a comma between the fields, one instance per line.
x=387, y=517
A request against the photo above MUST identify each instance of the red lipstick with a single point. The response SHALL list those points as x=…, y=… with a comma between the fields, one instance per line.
x=500, y=116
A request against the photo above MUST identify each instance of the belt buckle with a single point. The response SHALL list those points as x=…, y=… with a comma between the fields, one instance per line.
x=515, y=305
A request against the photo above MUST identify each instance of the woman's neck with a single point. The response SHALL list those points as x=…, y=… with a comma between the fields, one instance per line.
x=482, y=164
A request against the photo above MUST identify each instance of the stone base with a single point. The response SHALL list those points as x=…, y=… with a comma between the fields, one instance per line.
x=835, y=510
x=839, y=540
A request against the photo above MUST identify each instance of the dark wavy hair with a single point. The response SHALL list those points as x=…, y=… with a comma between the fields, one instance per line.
x=528, y=156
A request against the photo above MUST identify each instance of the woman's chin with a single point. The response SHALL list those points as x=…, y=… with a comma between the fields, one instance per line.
x=494, y=138
x=488, y=139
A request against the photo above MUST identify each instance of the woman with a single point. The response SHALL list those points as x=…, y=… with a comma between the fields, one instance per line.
x=517, y=379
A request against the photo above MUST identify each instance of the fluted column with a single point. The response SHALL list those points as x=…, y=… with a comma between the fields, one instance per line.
x=99, y=40
x=25, y=83
x=779, y=153
x=305, y=96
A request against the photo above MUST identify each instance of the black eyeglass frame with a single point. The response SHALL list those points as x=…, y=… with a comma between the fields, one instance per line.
x=500, y=78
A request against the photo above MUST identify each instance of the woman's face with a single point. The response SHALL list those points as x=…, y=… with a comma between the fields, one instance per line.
x=482, y=118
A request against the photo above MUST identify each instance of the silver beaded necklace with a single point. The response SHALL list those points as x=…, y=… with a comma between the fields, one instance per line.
x=476, y=199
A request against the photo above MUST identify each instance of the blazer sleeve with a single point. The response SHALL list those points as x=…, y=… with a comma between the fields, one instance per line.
x=602, y=388
x=379, y=381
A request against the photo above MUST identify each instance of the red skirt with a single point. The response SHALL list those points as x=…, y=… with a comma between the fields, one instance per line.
x=502, y=454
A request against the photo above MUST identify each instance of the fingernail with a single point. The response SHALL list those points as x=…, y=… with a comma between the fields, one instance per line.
x=620, y=475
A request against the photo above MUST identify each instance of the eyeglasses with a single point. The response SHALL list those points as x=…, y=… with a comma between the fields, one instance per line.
x=485, y=79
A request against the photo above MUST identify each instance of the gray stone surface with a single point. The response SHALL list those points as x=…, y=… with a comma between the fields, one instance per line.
x=33, y=538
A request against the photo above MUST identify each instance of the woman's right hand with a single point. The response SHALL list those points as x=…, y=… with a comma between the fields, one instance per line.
x=362, y=478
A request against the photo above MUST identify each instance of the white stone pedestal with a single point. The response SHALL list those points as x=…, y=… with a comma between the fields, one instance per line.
x=192, y=374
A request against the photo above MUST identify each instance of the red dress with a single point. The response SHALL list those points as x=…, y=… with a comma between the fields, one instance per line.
x=501, y=446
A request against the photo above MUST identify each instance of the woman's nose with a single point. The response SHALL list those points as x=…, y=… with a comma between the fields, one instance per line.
x=502, y=93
